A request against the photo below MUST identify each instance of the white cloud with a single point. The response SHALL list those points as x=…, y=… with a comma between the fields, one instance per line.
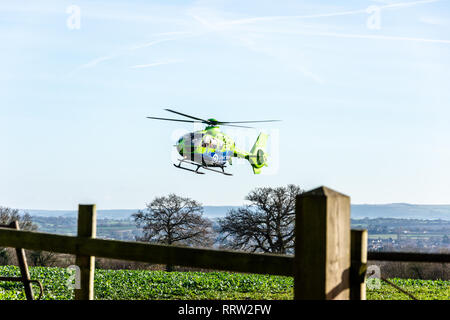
x=214, y=21
x=93, y=63
x=224, y=23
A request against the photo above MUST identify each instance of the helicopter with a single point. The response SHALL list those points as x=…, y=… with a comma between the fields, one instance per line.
x=210, y=149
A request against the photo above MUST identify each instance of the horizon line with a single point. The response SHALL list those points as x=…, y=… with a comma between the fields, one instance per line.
x=208, y=205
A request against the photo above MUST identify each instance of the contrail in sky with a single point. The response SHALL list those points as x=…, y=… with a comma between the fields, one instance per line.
x=139, y=66
x=324, y=15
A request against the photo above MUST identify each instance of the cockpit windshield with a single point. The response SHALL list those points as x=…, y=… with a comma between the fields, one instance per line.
x=192, y=140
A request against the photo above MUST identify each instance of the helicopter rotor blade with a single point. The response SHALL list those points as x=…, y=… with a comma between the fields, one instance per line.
x=220, y=122
x=186, y=115
x=210, y=122
x=178, y=120
x=231, y=125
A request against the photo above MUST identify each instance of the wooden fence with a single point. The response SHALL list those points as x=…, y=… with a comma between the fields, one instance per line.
x=330, y=260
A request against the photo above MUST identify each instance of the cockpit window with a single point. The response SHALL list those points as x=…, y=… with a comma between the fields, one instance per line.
x=197, y=142
x=206, y=141
x=192, y=141
x=210, y=142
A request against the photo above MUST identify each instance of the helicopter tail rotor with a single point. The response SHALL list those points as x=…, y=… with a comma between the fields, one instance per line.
x=258, y=155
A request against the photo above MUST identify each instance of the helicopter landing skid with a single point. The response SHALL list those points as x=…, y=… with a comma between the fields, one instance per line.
x=195, y=171
x=200, y=166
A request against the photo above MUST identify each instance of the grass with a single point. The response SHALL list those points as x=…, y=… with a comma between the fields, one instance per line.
x=160, y=285
x=421, y=289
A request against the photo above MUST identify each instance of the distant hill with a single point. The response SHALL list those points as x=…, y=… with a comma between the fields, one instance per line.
x=394, y=210
x=401, y=210
x=209, y=211
x=358, y=211
x=102, y=214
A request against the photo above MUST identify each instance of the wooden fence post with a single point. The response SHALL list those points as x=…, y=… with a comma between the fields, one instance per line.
x=87, y=226
x=359, y=264
x=23, y=265
x=322, y=246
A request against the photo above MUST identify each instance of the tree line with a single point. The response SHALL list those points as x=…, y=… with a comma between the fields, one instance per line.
x=37, y=258
x=264, y=225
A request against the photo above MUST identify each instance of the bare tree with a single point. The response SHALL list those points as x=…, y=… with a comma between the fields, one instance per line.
x=8, y=215
x=43, y=258
x=174, y=220
x=266, y=225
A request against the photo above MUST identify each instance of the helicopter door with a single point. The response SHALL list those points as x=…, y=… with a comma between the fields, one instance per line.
x=206, y=141
x=214, y=143
x=209, y=142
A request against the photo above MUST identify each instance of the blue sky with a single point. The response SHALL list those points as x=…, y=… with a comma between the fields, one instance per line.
x=364, y=101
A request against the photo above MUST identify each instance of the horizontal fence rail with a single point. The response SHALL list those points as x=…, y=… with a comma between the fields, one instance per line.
x=152, y=253
x=182, y=256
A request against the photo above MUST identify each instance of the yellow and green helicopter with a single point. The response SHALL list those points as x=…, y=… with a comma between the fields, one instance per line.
x=211, y=149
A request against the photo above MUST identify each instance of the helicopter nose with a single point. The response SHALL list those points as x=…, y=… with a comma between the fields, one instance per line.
x=179, y=146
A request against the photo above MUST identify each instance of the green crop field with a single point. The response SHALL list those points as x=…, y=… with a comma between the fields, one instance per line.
x=137, y=284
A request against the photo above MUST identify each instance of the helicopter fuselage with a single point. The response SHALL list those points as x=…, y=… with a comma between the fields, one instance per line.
x=212, y=148
x=209, y=147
